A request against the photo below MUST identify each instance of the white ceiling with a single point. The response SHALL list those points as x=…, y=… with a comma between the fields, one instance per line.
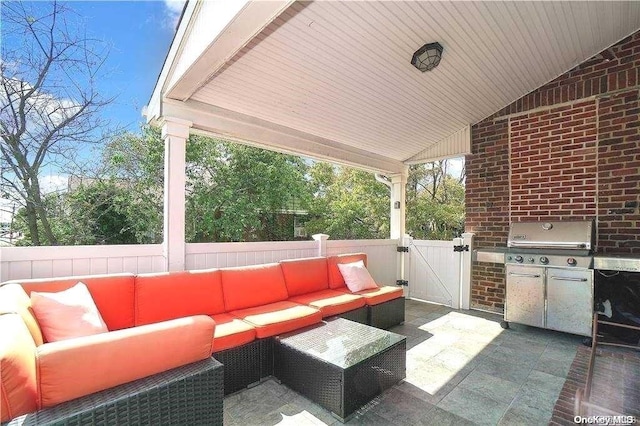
x=340, y=72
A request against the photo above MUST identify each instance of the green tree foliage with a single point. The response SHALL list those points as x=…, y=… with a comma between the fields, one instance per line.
x=239, y=193
x=435, y=202
x=233, y=193
x=103, y=212
x=347, y=203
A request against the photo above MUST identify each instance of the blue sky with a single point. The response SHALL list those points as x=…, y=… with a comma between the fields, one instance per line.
x=139, y=33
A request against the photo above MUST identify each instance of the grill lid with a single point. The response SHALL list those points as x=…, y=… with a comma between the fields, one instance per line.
x=571, y=235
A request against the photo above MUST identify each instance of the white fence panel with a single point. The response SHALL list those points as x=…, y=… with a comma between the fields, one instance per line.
x=45, y=262
x=434, y=272
x=382, y=256
x=221, y=255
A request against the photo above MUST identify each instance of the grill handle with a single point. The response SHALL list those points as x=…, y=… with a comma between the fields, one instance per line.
x=580, y=280
x=518, y=274
x=538, y=244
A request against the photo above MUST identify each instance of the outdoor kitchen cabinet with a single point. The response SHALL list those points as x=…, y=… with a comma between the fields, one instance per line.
x=559, y=299
x=525, y=295
x=570, y=300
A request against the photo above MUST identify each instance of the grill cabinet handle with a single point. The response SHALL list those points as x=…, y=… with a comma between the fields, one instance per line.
x=580, y=280
x=539, y=244
x=518, y=274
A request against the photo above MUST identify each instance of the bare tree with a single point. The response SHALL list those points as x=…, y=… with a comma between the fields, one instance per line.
x=49, y=101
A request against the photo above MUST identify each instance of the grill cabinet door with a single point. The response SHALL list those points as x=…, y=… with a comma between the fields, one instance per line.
x=570, y=300
x=525, y=295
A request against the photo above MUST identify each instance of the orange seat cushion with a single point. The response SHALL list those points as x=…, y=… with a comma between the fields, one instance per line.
x=336, y=281
x=72, y=368
x=380, y=295
x=305, y=275
x=18, y=390
x=231, y=332
x=249, y=286
x=112, y=294
x=331, y=302
x=170, y=295
x=279, y=317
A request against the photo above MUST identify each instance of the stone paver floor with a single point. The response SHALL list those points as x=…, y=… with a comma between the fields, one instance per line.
x=462, y=368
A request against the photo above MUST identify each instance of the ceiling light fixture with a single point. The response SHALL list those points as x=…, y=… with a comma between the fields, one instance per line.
x=427, y=57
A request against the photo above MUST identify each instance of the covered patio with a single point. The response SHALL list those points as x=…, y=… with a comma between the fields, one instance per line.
x=462, y=369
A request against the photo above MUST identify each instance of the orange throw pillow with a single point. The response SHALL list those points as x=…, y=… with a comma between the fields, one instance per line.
x=67, y=314
x=356, y=276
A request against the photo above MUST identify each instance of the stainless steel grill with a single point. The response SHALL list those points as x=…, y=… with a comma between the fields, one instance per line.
x=549, y=275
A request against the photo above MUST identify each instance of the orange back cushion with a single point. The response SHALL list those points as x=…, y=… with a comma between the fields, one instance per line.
x=305, y=275
x=18, y=392
x=170, y=295
x=335, y=276
x=112, y=294
x=250, y=286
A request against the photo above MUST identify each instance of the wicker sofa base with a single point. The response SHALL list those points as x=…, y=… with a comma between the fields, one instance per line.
x=360, y=315
x=191, y=394
x=386, y=315
x=241, y=366
x=248, y=364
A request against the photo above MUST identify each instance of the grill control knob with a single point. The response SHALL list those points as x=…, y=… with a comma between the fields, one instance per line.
x=572, y=261
x=519, y=259
x=531, y=260
x=544, y=260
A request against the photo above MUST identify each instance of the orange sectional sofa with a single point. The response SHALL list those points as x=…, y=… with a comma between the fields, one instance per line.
x=161, y=321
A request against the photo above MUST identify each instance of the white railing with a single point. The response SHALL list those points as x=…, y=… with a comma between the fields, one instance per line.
x=43, y=262
x=382, y=256
x=222, y=255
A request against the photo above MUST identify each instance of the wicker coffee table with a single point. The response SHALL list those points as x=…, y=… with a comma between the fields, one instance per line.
x=340, y=364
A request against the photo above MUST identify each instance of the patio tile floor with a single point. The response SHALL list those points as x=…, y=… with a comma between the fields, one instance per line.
x=462, y=368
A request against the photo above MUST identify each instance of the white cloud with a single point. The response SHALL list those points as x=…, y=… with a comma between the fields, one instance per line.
x=173, y=9
x=53, y=183
x=6, y=208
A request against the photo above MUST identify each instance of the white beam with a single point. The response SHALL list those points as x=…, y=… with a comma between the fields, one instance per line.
x=228, y=26
x=212, y=120
x=153, y=110
x=454, y=145
x=175, y=133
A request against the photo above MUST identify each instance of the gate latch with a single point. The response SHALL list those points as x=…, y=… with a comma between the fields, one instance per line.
x=402, y=249
x=461, y=248
x=402, y=282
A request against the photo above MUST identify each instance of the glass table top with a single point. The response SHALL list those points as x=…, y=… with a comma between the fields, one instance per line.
x=341, y=342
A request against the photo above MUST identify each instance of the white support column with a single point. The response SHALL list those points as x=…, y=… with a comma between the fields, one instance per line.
x=175, y=133
x=465, y=273
x=398, y=187
x=322, y=243
x=398, y=191
x=404, y=264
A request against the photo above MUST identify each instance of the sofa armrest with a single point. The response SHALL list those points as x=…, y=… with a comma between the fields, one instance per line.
x=73, y=368
x=191, y=395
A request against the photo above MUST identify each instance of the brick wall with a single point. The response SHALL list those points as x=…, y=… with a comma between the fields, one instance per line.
x=568, y=150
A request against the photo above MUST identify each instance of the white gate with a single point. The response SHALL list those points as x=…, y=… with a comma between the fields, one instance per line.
x=434, y=272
